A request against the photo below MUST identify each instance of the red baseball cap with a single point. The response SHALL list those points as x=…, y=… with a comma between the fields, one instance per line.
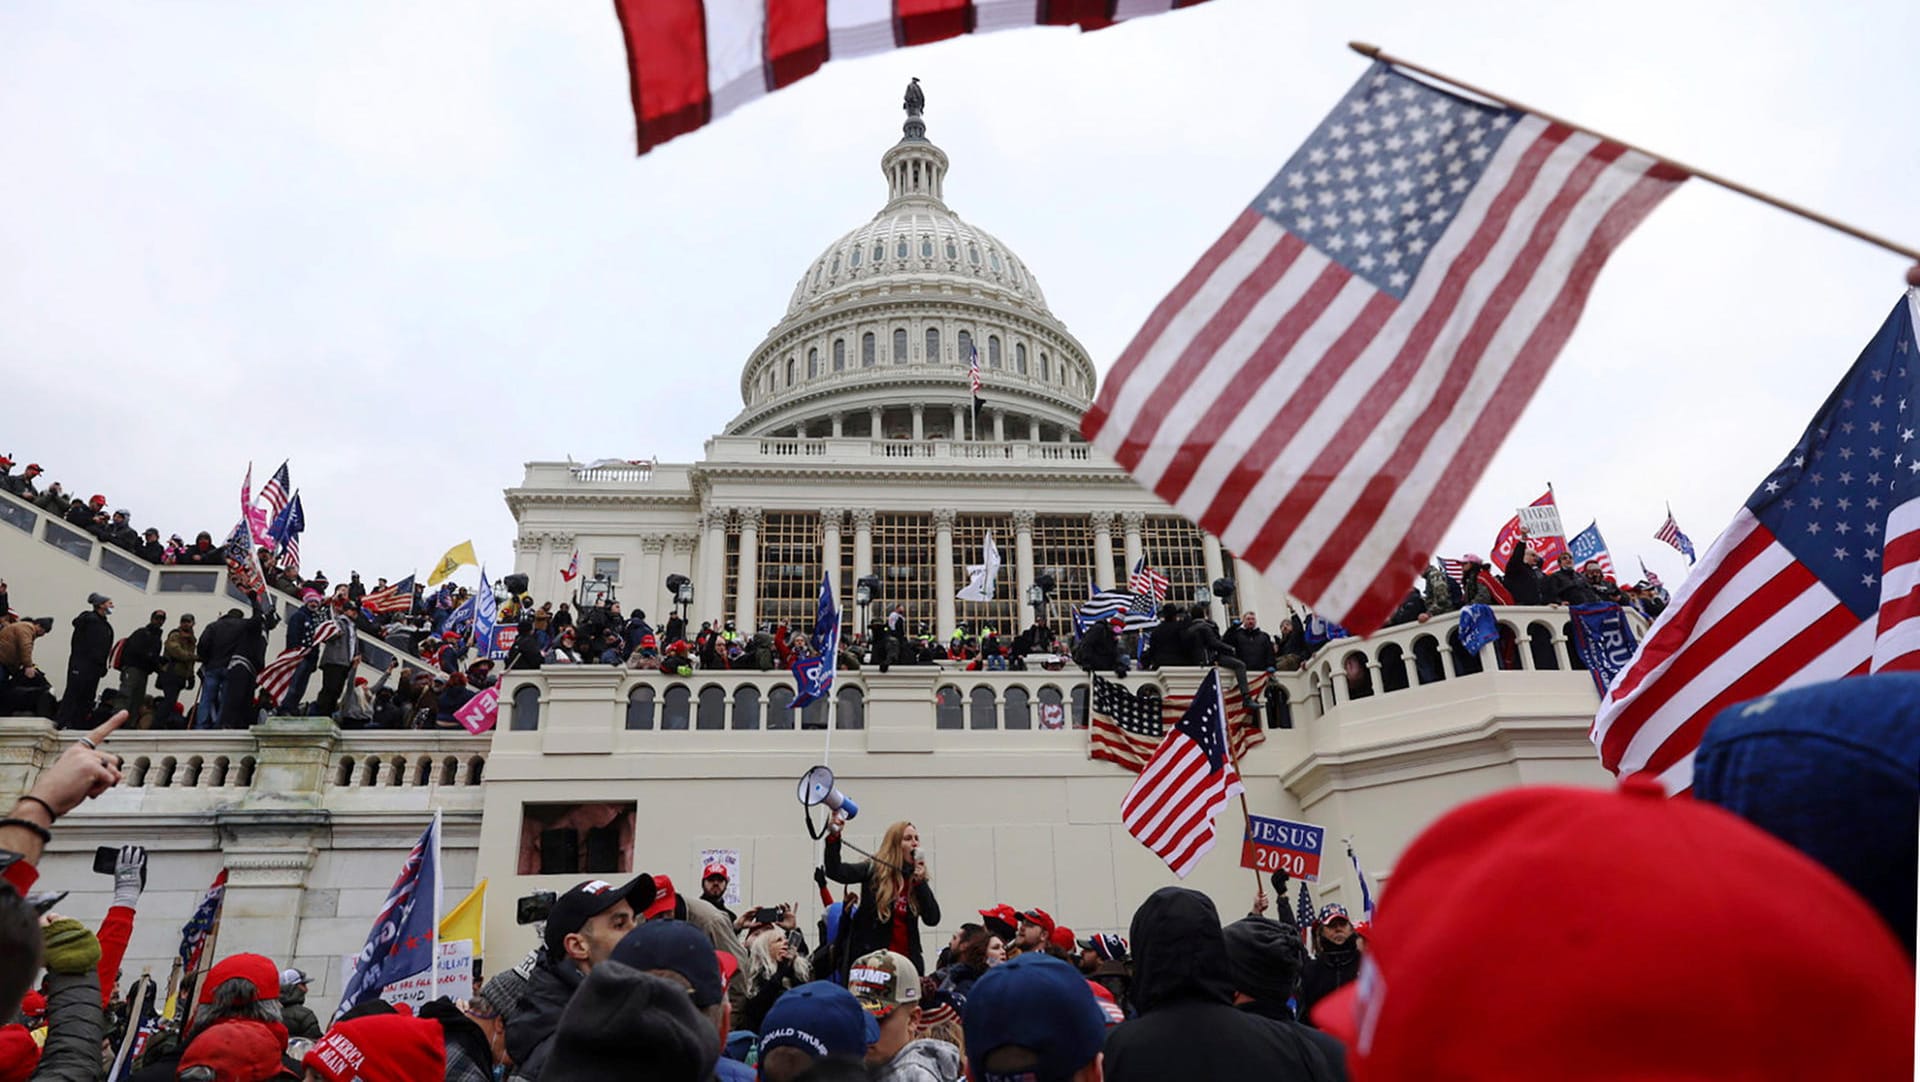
x=380, y=1048
x=1582, y=988
x=713, y=870
x=1038, y=917
x=1001, y=916
x=664, y=899
x=238, y=1050
x=729, y=966
x=1062, y=937
x=257, y=969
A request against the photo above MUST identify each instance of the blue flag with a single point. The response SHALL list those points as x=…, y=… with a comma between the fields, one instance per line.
x=813, y=676
x=1477, y=628
x=1319, y=630
x=289, y=523
x=404, y=938
x=485, y=613
x=1366, y=894
x=1588, y=545
x=1604, y=640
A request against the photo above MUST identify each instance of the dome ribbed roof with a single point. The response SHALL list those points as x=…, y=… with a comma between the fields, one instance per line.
x=917, y=241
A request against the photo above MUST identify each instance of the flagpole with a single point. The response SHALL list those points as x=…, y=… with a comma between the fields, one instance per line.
x=1374, y=52
x=433, y=954
x=1226, y=730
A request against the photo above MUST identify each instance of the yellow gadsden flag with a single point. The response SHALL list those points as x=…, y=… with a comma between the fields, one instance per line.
x=463, y=921
x=458, y=556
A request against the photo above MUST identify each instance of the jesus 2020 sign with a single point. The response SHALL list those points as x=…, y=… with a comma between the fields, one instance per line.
x=1278, y=845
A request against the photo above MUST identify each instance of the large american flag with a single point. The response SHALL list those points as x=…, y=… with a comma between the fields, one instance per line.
x=1669, y=532
x=692, y=61
x=1818, y=577
x=1322, y=390
x=277, y=491
x=1172, y=804
x=1126, y=727
x=274, y=681
x=1145, y=580
x=395, y=598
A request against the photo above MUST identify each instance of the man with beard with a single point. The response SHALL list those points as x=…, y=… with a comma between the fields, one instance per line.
x=1336, y=959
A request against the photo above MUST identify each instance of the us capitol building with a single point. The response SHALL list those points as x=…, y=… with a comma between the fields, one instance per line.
x=855, y=451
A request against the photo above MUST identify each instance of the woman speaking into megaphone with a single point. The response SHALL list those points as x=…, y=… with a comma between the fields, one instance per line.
x=895, y=896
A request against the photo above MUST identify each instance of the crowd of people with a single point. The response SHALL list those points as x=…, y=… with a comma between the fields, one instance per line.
x=1503, y=948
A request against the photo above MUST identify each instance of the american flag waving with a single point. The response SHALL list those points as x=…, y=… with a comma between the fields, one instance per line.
x=395, y=598
x=1322, y=390
x=1148, y=582
x=275, y=680
x=1669, y=532
x=277, y=491
x=1817, y=578
x=1172, y=805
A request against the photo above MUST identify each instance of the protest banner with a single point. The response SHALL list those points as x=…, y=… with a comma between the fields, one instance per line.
x=455, y=965
x=1279, y=845
x=730, y=860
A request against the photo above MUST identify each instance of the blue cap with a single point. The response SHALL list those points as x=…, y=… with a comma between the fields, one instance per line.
x=819, y=1017
x=678, y=947
x=1041, y=1004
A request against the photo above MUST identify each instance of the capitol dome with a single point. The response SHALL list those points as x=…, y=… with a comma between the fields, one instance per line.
x=878, y=335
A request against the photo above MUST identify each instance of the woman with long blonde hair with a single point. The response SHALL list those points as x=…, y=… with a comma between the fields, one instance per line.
x=895, y=896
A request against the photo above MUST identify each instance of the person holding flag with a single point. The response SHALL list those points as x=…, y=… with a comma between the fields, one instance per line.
x=813, y=674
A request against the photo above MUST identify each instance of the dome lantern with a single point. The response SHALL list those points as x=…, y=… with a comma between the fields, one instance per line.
x=915, y=169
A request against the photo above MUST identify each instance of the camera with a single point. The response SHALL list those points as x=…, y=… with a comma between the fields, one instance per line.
x=534, y=907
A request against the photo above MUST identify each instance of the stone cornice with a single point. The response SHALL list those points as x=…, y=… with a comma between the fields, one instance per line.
x=1495, y=741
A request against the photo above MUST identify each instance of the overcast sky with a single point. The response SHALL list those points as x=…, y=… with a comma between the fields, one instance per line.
x=409, y=246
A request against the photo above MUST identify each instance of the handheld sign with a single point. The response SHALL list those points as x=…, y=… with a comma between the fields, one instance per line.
x=1279, y=845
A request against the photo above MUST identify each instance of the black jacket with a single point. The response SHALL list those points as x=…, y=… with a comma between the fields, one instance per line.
x=1570, y=587
x=142, y=650
x=297, y=1016
x=865, y=933
x=1168, y=645
x=1325, y=973
x=1098, y=650
x=218, y=640
x=530, y=1030
x=1254, y=647
x=1204, y=644
x=92, y=642
x=1330, y=1047
x=1524, y=581
x=1187, y=1026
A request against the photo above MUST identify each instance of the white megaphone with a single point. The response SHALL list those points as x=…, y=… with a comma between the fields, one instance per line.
x=816, y=788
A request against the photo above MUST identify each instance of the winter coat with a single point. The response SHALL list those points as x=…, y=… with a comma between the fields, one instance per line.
x=1326, y=972
x=92, y=642
x=1168, y=645
x=1440, y=592
x=1204, y=644
x=865, y=933
x=296, y=1015
x=1098, y=650
x=924, y=1060
x=142, y=650
x=76, y=1024
x=217, y=642
x=1255, y=647
x=180, y=652
x=1569, y=587
x=1330, y=1047
x=1524, y=581
x=1187, y=1026
x=344, y=646
x=469, y=1056
x=16, y=645
x=301, y=626
x=531, y=1027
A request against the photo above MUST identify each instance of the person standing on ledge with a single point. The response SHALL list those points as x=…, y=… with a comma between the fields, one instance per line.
x=895, y=895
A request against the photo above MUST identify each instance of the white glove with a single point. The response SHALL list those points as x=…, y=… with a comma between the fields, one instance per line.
x=129, y=875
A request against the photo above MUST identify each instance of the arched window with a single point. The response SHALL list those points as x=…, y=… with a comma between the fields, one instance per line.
x=813, y=363
x=879, y=251
x=952, y=252
x=926, y=247
x=900, y=249
x=746, y=707
x=973, y=254
x=1046, y=366
x=780, y=707
x=791, y=370
x=899, y=345
x=966, y=347
x=993, y=257
x=640, y=707
x=866, y=350
x=839, y=355
x=713, y=708
x=814, y=714
x=933, y=345
x=993, y=351
x=835, y=269
x=980, y=709
x=1540, y=641
x=526, y=708
x=946, y=708
x=675, y=708
x=1080, y=705
x=851, y=708
x=1020, y=357
x=1018, y=710
x=1393, y=668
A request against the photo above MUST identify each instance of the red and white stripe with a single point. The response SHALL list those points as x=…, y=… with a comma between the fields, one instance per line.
x=1244, y=732
x=1172, y=804
x=693, y=61
x=276, y=679
x=1750, y=621
x=1328, y=433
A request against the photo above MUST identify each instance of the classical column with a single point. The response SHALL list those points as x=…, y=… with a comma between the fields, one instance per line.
x=647, y=592
x=959, y=422
x=999, y=426
x=830, y=548
x=1103, y=549
x=709, y=598
x=862, y=551
x=1132, y=521
x=839, y=422
x=1023, y=562
x=944, y=619
x=749, y=577
x=873, y=423
x=1210, y=562
x=919, y=421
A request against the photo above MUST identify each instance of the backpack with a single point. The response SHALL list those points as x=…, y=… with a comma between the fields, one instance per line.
x=113, y=655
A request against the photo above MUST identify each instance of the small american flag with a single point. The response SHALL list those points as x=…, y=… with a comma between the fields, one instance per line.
x=1126, y=728
x=1651, y=578
x=395, y=598
x=1303, y=916
x=1323, y=389
x=1137, y=613
x=573, y=568
x=1145, y=580
x=1669, y=532
x=276, y=491
x=1457, y=568
x=277, y=678
x=193, y=938
x=1817, y=578
x=973, y=367
x=1172, y=805
x=693, y=61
